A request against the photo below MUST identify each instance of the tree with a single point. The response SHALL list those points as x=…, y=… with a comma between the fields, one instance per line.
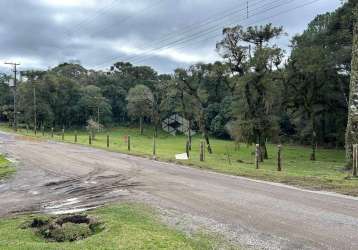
x=26, y=102
x=5, y=98
x=140, y=103
x=316, y=80
x=160, y=92
x=256, y=66
x=313, y=92
x=192, y=84
x=93, y=127
x=93, y=105
x=352, y=124
x=115, y=92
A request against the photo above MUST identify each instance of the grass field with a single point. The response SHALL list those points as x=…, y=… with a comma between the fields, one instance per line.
x=327, y=173
x=127, y=226
x=5, y=168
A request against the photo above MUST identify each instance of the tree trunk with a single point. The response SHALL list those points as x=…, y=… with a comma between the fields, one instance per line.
x=314, y=138
x=313, y=144
x=156, y=129
x=264, y=151
x=189, y=135
x=352, y=123
x=261, y=147
x=141, y=125
x=208, y=143
x=205, y=133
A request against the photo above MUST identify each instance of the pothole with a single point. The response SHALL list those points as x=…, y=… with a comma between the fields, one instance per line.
x=66, y=228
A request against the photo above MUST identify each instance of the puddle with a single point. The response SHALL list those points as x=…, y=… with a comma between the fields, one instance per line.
x=67, y=202
x=71, y=211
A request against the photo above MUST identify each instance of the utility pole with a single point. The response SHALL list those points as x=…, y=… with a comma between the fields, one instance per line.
x=15, y=91
x=247, y=9
x=98, y=117
x=35, y=111
x=352, y=123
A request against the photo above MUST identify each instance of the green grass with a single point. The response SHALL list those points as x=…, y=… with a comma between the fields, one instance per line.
x=324, y=174
x=127, y=226
x=5, y=168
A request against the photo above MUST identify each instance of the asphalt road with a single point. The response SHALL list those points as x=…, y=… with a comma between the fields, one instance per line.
x=56, y=177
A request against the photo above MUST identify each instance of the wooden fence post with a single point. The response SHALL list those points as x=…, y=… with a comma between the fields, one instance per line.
x=228, y=155
x=355, y=160
x=187, y=148
x=63, y=134
x=129, y=142
x=202, y=151
x=43, y=130
x=89, y=139
x=51, y=132
x=279, y=160
x=107, y=141
x=76, y=136
x=154, y=149
x=257, y=156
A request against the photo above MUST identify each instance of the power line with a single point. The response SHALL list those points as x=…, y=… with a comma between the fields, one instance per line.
x=252, y=23
x=223, y=15
x=212, y=29
x=189, y=28
x=88, y=20
x=200, y=33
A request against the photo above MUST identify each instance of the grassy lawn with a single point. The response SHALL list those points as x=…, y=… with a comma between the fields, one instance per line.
x=127, y=226
x=5, y=168
x=324, y=174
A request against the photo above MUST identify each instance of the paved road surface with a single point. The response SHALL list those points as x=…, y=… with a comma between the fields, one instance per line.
x=56, y=177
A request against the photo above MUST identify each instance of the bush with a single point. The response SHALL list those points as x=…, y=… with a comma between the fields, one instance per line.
x=65, y=228
x=70, y=232
x=93, y=127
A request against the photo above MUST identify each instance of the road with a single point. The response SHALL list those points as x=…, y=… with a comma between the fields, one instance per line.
x=56, y=177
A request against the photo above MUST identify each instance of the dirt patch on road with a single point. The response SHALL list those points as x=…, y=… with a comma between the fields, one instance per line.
x=83, y=193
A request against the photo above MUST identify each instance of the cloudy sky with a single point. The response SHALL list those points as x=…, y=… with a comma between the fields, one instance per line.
x=164, y=34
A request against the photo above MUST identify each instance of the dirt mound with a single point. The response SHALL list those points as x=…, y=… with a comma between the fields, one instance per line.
x=65, y=228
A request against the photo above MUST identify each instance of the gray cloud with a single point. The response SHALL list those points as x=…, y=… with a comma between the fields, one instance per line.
x=43, y=33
